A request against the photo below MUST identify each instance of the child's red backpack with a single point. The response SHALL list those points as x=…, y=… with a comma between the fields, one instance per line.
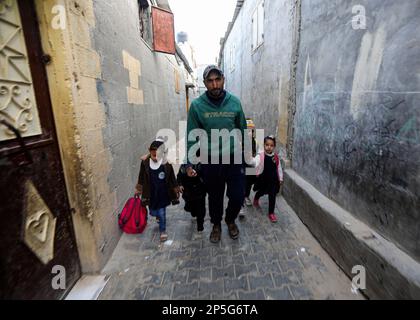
x=133, y=218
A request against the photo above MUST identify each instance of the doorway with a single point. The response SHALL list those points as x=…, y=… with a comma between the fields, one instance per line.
x=36, y=229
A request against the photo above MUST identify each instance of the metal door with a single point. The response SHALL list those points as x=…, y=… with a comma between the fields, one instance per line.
x=36, y=231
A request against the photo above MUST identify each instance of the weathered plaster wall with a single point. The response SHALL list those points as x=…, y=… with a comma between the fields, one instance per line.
x=72, y=86
x=357, y=125
x=132, y=124
x=110, y=96
x=261, y=77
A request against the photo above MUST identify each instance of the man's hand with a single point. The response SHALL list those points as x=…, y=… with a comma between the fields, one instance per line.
x=250, y=160
x=191, y=172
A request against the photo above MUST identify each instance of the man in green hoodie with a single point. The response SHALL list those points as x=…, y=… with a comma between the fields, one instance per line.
x=217, y=124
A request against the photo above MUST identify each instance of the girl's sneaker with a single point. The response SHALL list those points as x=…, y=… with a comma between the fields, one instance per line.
x=242, y=213
x=257, y=203
x=163, y=237
x=272, y=217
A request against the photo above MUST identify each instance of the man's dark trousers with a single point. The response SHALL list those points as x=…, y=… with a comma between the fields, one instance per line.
x=216, y=177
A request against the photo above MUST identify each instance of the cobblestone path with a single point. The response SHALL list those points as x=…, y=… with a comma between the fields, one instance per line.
x=268, y=261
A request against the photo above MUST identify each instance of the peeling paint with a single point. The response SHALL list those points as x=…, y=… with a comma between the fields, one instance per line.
x=367, y=67
x=72, y=84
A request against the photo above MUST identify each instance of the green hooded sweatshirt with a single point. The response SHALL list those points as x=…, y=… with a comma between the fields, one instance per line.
x=203, y=114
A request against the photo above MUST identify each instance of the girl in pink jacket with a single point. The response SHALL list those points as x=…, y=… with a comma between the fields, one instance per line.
x=269, y=176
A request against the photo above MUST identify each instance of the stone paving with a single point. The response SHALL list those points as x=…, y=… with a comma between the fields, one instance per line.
x=268, y=262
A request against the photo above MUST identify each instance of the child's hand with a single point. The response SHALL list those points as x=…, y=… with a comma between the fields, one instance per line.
x=137, y=190
x=249, y=159
x=191, y=172
x=181, y=189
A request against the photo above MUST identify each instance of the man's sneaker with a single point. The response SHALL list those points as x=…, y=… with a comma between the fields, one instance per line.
x=272, y=217
x=242, y=213
x=216, y=233
x=257, y=203
x=248, y=201
x=163, y=237
x=233, y=231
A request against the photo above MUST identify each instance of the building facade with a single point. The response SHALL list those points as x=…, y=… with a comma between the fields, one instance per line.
x=339, y=85
x=88, y=94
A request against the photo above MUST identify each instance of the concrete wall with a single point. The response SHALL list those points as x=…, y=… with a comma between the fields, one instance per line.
x=261, y=77
x=357, y=125
x=130, y=128
x=110, y=95
x=131, y=125
x=390, y=272
x=353, y=132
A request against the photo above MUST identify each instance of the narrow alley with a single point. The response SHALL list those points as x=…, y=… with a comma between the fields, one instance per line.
x=292, y=127
x=274, y=262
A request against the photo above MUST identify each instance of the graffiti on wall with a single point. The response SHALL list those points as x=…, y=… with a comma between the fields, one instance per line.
x=372, y=156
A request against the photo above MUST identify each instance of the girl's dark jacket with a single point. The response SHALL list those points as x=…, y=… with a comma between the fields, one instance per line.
x=143, y=184
x=194, y=188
